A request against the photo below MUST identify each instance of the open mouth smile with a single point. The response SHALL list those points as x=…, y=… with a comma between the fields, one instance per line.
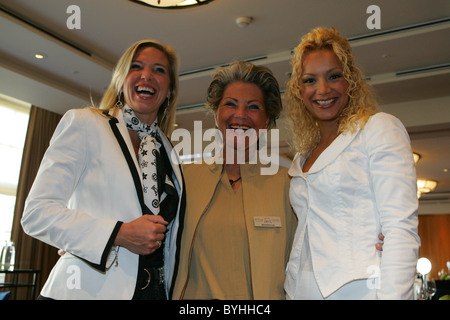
x=325, y=103
x=235, y=127
x=144, y=91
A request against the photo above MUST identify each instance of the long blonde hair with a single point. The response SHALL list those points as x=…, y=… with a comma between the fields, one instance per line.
x=361, y=104
x=166, y=113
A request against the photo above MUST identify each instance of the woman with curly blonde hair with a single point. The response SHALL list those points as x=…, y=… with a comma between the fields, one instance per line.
x=352, y=178
x=361, y=101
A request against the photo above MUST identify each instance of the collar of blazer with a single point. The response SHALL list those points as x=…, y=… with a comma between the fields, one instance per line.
x=130, y=155
x=216, y=163
x=327, y=156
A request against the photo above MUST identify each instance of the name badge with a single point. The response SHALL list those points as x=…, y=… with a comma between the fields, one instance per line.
x=267, y=222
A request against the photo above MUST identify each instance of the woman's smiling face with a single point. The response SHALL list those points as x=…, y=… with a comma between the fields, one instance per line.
x=241, y=108
x=324, y=88
x=147, y=83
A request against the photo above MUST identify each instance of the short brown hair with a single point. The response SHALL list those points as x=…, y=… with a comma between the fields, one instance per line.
x=249, y=73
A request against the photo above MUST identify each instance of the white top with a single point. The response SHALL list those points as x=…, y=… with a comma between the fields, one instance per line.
x=362, y=184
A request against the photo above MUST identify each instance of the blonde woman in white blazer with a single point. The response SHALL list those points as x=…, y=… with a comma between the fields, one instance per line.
x=352, y=178
x=88, y=196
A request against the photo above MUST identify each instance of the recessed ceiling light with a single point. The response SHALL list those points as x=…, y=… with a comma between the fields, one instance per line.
x=40, y=56
x=243, y=22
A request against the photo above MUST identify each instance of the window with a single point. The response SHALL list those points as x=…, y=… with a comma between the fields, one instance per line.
x=14, y=116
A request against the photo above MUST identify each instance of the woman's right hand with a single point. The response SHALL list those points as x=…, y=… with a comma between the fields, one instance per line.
x=143, y=235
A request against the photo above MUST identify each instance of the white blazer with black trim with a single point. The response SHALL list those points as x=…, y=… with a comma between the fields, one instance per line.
x=82, y=191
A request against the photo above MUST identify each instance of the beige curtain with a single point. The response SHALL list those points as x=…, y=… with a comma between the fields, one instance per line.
x=32, y=253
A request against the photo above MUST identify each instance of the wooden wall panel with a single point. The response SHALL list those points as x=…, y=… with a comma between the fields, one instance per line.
x=434, y=232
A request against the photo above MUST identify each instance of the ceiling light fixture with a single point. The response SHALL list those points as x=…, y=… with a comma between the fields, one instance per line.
x=172, y=4
x=243, y=22
x=425, y=186
x=40, y=56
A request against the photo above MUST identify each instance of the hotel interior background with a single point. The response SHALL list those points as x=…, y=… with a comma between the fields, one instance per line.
x=57, y=55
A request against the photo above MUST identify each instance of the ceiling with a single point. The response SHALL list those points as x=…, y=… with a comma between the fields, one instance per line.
x=407, y=61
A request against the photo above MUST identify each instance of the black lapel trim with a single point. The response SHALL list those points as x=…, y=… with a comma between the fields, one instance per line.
x=180, y=228
x=134, y=173
x=137, y=182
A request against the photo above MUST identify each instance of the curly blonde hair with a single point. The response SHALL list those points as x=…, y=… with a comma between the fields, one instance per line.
x=114, y=94
x=361, y=104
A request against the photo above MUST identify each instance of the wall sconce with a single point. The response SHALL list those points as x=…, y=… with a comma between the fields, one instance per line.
x=423, y=185
x=416, y=157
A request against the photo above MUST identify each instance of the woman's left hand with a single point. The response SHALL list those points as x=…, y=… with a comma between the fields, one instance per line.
x=379, y=245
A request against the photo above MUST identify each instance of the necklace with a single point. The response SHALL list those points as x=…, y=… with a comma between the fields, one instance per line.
x=234, y=181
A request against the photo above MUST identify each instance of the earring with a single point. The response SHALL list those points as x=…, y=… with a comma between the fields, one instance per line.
x=166, y=107
x=119, y=103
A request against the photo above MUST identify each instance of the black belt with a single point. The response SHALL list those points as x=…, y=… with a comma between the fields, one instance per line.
x=153, y=274
x=150, y=285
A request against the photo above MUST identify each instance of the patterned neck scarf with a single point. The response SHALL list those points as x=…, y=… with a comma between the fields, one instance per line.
x=148, y=157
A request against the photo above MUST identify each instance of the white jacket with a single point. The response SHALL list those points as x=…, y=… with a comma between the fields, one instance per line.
x=362, y=184
x=83, y=188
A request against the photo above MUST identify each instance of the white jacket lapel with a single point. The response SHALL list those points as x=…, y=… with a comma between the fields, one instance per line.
x=333, y=151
